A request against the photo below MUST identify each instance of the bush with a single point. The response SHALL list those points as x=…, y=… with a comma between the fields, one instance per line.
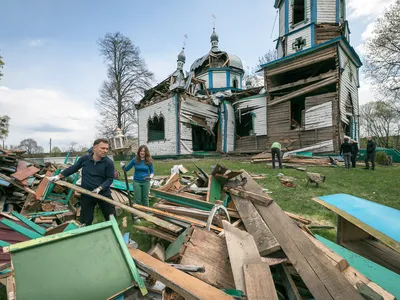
x=381, y=158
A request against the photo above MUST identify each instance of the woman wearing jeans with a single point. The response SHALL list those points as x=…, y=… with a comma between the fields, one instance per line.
x=345, y=148
x=144, y=171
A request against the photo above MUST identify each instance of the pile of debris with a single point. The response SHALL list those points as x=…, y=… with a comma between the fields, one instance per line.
x=294, y=160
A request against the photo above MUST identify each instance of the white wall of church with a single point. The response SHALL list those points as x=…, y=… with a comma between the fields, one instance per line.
x=168, y=109
x=204, y=77
x=326, y=11
x=228, y=128
x=219, y=79
x=305, y=34
x=308, y=16
x=257, y=105
x=282, y=19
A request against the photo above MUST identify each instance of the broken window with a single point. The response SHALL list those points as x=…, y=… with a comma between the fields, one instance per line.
x=235, y=83
x=155, y=128
x=297, y=107
x=298, y=11
x=244, y=124
x=203, y=139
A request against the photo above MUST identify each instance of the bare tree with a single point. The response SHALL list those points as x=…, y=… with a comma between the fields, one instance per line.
x=127, y=79
x=30, y=146
x=4, y=127
x=382, y=56
x=72, y=146
x=257, y=78
x=1, y=66
x=379, y=120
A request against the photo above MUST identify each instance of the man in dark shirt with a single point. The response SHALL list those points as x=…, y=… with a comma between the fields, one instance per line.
x=97, y=176
x=354, y=152
x=345, y=149
x=371, y=153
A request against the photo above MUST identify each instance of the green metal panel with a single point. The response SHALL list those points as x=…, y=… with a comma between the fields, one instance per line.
x=176, y=245
x=215, y=190
x=29, y=223
x=94, y=261
x=71, y=226
x=21, y=229
x=121, y=185
x=47, y=213
x=4, y=244
x=182, y=200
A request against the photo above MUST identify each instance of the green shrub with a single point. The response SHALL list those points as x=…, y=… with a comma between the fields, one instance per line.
x=381, y=158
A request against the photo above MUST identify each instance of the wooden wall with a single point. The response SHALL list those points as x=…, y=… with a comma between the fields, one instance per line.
x=251, y=143
x=326, y=11
x=305, y=34
x=257, y=105
x=326, y=32
x=282, y=19
x=308, y=16
x=219, y=79
x=227, y=127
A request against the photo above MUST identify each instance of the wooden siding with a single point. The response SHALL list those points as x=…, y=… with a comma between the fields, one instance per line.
x=319, y=116
x=308, y=16
x=168, y=109
x=204, y=77
x=251, y=143
x=321, y=147
x=219, y=79
x=326, y=11
x=320, y=99
x=326, y=32
x=228, y=128
x=257, y=105
x=282, y=20
x=186, y=138
x=305, y=34
x=279, y=50
x=347, y=85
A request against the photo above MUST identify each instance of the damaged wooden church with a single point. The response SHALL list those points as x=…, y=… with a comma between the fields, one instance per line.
x=310, y=95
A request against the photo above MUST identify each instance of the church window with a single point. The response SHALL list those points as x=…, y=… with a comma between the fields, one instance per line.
x=298, y=11
x=235, y=83
x=155, y=129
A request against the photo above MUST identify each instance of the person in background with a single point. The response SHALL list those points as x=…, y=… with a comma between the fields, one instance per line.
x=276, y=151
x=371, y=153
x=97, y=176
x=144, y=171
x=354, y=152
x=345, y=149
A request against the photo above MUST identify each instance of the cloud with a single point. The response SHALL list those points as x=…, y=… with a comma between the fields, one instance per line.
x=35, y=43
x=369, y=9
x=42, y=114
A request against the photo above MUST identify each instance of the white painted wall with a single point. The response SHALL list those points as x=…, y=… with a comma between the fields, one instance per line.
x=282, y=19
x=308, y=16
x=230, y=132
x=167, y=109
x=318, y=116
x=258, y=105
x=279, y=50
x=326, y=11
x=219, y=79
x=204, y=77
x=347, y=85
x=305, y=34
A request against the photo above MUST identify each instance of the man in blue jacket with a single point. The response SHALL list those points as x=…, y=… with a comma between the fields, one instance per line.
x=97, y=176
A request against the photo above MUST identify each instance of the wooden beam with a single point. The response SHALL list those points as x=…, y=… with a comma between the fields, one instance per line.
x=13, y=182
x=302, y=91
x=303, y=81
x=185, y=285
x=288, y=283
x=253, y=197
x=156, y=233
x=259, y=289
x=157, y=221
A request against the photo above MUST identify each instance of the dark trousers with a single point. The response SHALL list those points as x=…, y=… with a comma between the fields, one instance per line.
x=347, y=158
x=276, y=152
x=353, y=160
x=371, y=157
x=88, y=204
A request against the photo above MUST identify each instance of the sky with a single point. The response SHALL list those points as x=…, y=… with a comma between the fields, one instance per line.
x=53, y=69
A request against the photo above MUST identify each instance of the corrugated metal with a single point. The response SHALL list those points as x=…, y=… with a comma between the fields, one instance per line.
x=318, y=116
x=228, y=128
x=326, y=11
x=308, y=16
x=257, y=105
x=347, y=86
x=167, y=109
x=305, y=34
x=282, y=20
x=219, y=79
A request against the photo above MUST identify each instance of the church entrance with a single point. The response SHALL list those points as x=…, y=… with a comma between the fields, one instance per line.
x=203, y=140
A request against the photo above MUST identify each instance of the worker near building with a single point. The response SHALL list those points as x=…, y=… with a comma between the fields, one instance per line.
x=97, y=176
x=276, y=151
x=345, y=151
x=144, y=172
x=371, y=153
x=354, y=152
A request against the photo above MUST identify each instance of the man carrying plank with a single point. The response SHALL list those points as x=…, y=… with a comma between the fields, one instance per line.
x=97, y=176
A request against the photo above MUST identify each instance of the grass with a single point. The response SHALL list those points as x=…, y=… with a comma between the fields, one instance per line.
x=379, y=186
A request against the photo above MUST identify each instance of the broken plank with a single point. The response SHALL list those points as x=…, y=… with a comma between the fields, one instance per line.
x=21, y=229
x=157, y=221
x=188, y=268
x=259, y=199
x=303, y=81
x=185, y=285
x=259, y=289
x=29, y=223
x=42, y=186
x=298, y=218
x=156, y=233
x=25, y=173
x=157, y=251
x=288, y=283
x=243, y=251
x=174, y=248
x=18, y=185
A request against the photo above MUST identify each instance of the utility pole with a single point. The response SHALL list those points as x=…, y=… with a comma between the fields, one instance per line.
x=50, y=147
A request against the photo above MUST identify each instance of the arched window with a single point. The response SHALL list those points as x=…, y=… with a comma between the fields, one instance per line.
x=235, y=83
x=156, y=129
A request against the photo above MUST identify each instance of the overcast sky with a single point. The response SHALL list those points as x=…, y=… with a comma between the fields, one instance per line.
x=53, y=69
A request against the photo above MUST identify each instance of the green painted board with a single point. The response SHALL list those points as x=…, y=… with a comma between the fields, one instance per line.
x=121, y=185
x=87, y=263
x=71, y=226
x=215, y=190
x=174, y=248
x=21, y=229
x=4, y=244
x=29, y=223
x=207, y=206
x=387, y=279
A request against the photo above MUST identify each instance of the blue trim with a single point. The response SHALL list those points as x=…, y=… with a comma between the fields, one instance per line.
x=220, y=122
x=313, y=35
x=241, y=81
x=219, y=69
x=224, y=89
x=210, y=80
x=177, y=123
x=314, y=11
x=286, y=17
x=339, y=39
x=299, y=29
x=337, y=11
x=225, y=126
x=228, y=78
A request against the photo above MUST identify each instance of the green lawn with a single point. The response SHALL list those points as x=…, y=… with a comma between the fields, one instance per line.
x=380, y=186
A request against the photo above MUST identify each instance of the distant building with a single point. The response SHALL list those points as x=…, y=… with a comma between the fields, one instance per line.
x=122, y=145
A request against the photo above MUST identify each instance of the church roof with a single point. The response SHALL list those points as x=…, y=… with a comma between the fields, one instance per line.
x=234, y=61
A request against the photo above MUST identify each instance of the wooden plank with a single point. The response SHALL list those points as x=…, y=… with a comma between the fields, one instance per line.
x=157, y=221
x=185, y=285
x=42, y=186
x=29, y=223
x=10, y=288
x=157, y=251
x=288, y=283
x=20, y=229
x=322, y=279
x=205, y=248
x=25, y=173
x=13, y=182
x=156, y=233
x=255, y=225
x=256, y=198
x=302, y=91
x=243, y=251
x=214, y=189
x=259, y=289
x=174, y=248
